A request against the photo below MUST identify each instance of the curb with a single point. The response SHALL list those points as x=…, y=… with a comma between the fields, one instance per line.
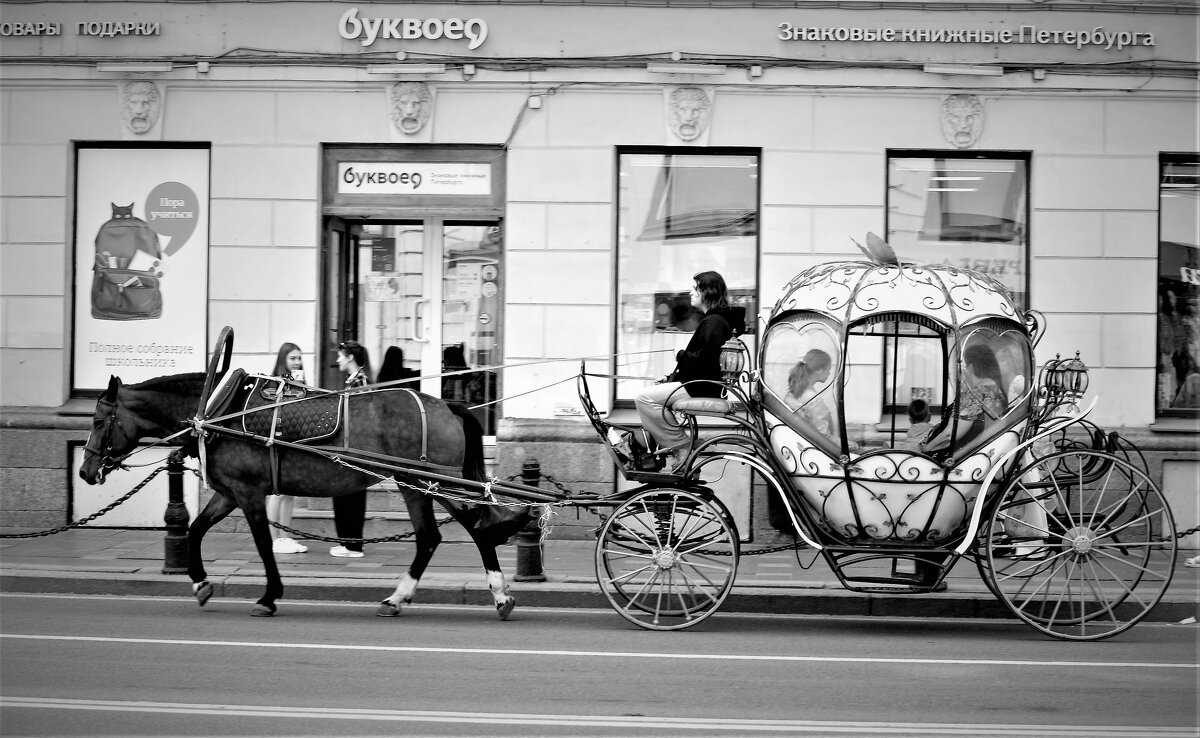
x=446, y=590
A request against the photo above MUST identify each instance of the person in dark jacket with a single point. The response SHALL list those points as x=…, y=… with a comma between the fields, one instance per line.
x=350, y=511
x=697, y=368
x=393, y=370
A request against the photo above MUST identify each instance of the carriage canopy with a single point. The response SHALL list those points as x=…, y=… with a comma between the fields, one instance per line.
x=937, y=358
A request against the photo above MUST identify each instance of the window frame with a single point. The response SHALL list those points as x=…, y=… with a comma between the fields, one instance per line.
x=1166, y=158
x=1025, y=157
x=614, y=298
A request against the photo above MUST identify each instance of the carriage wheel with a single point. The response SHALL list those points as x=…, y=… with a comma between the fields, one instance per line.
x=666, y=558
x=1081, y=545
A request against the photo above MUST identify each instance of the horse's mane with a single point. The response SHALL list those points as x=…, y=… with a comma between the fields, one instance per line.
x=172, y=382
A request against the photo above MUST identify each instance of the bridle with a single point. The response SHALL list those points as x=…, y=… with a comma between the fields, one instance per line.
x=107, y=462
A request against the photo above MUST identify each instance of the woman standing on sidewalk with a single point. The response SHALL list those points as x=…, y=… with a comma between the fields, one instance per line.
x=289, y=364
x=350, y=511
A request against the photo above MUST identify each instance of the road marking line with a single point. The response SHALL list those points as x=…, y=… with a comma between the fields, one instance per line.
x=604, y=654
x=600, y=721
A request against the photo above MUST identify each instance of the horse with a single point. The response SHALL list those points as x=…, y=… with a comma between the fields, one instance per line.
x=399, y=425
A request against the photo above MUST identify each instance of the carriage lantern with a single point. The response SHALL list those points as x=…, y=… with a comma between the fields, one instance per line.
x=733, y=360
x=1065, y=380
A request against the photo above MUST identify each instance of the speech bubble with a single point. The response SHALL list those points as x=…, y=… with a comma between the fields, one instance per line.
x=173, y=210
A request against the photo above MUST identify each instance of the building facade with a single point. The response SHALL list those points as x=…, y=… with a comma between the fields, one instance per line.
x=510, y=188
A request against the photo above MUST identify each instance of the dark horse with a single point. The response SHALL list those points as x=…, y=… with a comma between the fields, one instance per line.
x=391, y=424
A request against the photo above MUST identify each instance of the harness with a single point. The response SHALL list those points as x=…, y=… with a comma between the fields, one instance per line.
x=272, y=424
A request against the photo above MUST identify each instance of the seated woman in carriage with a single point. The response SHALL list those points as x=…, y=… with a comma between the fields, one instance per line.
x=981, y=401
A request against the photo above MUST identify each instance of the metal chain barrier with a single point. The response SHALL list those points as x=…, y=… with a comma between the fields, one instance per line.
x=1188, y=532
x=93, y=516
x=332, y=539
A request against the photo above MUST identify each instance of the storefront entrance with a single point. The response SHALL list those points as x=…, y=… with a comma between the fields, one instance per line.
x=417, y=268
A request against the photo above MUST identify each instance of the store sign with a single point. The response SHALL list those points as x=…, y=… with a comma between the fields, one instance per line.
x=1097, y=36
x=141, y=263
x=413, y=178
x=473, y=30
x=102, y=29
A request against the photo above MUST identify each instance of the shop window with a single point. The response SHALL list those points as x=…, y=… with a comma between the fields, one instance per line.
x=966, y=210
x=1178, y=386
x=679, y=214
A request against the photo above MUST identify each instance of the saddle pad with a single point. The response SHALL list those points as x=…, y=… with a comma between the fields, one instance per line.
x=310, y=414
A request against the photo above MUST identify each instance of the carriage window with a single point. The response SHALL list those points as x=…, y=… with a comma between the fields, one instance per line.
x=800, y=363
x=679, y=214
x=1179, y=286
x=964, y=209
x=990, y=386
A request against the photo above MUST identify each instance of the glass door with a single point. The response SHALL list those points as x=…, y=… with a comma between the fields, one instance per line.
x=432, y=291
x=471, y=318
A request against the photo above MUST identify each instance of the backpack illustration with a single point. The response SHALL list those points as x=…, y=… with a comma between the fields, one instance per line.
x=127, y=269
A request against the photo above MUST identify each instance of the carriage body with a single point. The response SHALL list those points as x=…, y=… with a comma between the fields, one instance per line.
x=830, y=416
x=894, y=337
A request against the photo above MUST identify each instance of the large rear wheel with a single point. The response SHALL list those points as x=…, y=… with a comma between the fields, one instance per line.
x=666, y=558
x=1082, y=545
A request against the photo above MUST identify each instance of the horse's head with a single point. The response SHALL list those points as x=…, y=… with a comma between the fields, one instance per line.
x=114, y=436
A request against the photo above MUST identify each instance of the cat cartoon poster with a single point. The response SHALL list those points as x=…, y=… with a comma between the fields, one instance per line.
x=140, y=262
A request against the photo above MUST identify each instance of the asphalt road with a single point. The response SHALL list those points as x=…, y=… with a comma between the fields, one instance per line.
x=72, y=665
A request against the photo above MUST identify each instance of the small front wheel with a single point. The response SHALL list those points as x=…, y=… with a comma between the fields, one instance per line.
x=667, y=558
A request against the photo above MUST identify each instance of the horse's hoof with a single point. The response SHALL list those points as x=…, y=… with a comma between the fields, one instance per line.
x=504, y=609
x=387, y=610
x=262, y=611
x=203, y=593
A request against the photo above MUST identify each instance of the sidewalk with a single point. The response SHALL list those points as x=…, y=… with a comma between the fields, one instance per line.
x=130, y=561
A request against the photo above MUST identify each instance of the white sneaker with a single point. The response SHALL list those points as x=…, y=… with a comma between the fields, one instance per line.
x=288, y=546
x=344, y=553
x=1192, y=563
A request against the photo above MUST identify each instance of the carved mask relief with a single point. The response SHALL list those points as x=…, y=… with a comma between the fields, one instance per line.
x=141, y=105
x=411, y=105
x=962, y=120
x=688, y=113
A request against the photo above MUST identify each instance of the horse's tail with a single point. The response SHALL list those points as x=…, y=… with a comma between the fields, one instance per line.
x=497, y=523
x=473, y=468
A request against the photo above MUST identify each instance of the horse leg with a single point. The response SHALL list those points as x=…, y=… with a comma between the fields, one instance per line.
x=420, y=512
x=254, y=507
x=495, y=577
x=219, y=506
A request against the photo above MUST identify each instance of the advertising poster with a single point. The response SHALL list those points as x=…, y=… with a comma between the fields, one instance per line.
x=141, y=263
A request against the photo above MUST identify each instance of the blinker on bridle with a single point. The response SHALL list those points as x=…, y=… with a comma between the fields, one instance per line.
x=107, y=462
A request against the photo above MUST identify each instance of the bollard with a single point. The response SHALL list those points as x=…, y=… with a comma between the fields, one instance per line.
x=175, y=559
x=529, y=538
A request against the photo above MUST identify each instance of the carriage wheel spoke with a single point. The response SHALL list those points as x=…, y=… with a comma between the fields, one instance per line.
x=629, y=575
x=1112, y=532
x=1101, y=551
x=645, y=585
x=1129, y=591
x=696, y=589
x=637, y=536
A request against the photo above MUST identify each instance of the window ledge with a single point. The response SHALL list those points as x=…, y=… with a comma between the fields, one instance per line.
x=1175, y=425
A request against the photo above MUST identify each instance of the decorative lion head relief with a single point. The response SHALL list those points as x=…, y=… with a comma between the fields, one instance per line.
x=141, y=106
x=411, y=106
x=689, y=110
x=962, y=120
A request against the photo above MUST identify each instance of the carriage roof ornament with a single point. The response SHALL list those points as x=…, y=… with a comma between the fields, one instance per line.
x=847, y=291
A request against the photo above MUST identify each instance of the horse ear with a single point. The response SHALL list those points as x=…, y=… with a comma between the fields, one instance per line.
x=113, y=385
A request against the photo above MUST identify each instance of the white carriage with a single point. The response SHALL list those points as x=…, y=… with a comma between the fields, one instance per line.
x=1061, y=519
